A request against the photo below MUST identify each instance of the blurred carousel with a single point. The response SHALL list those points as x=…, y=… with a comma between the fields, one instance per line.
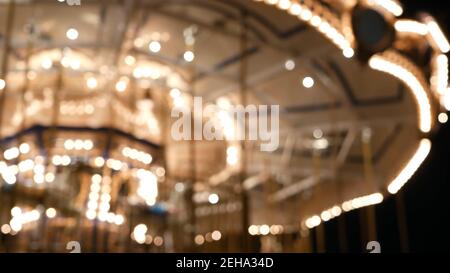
x=87, y=92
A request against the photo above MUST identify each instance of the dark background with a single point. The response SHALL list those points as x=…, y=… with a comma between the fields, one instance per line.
x=425, y=198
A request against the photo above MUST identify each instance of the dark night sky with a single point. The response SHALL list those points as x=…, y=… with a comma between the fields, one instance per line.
x=426, y=196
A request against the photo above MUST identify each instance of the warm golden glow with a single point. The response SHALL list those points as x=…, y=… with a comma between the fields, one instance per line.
x=388, y=65
x=411, y=167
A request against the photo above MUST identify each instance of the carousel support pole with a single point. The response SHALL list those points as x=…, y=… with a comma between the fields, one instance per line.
x=342, y=230
x=402, y=222
x=243, y=99
x=320, y=239
x=320, y=230
x=368, y=213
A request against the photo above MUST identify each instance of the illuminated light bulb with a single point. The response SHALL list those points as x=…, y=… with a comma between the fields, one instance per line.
x=189, y=56
x=102, y=216
x=119, y=220
x=126, y=152
x=314, y=221
x=130, y=60
x=179, y=187
x=437, y=35
x=160, y=172
x=111, y=217
x=216, y=235
x=442, y=73
x=316, y=20
x=271, y=2
x=95, y=187
x=106, y=189
x=2, y=84
x=65, y=160
x=39, y=178
x=346, y=206
x=34, y=215
x=92, y=83
x=92, y=205
x=140, y=229
x=14, y=169
x=91, y=214
x=213, y=198
x=284, y=4
x=147, y=159
x=88, y=145
x=72, y=34
x=320, y=144
x=75, y=64
x=336, y=211
x=412, y=166
x=158, y=241
x=445, y=100
x=295, y=9
x=99, y=161
x=9, y=179
x=69, y=144
x=94, y=196
x=154, y=46
x=26, y=165
x=363, y=201
x=49, y=178
x=253, y=230
x=348, y=52
x=289, y=65
x=15, y=224
x=318, y=134
x=148, y=239
x=24, y=148
x=175, y=93
x=306, y=15
x=411, y=26
x=391, y=6
x=96, y=178
x=16, y=212
x=121, y=86
x=308, y=82
x=443, y=118
x=6, y=229
x=199, y=239
x=326, y=216
x=273, y=229
x=114, y=164
x=78, y=144
x=264, y=230
x=104, y=207
x=105, y=197
x=138, y=72
x=47, y=63
x=11, y=153
x=50, y=213
x=324, y=27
